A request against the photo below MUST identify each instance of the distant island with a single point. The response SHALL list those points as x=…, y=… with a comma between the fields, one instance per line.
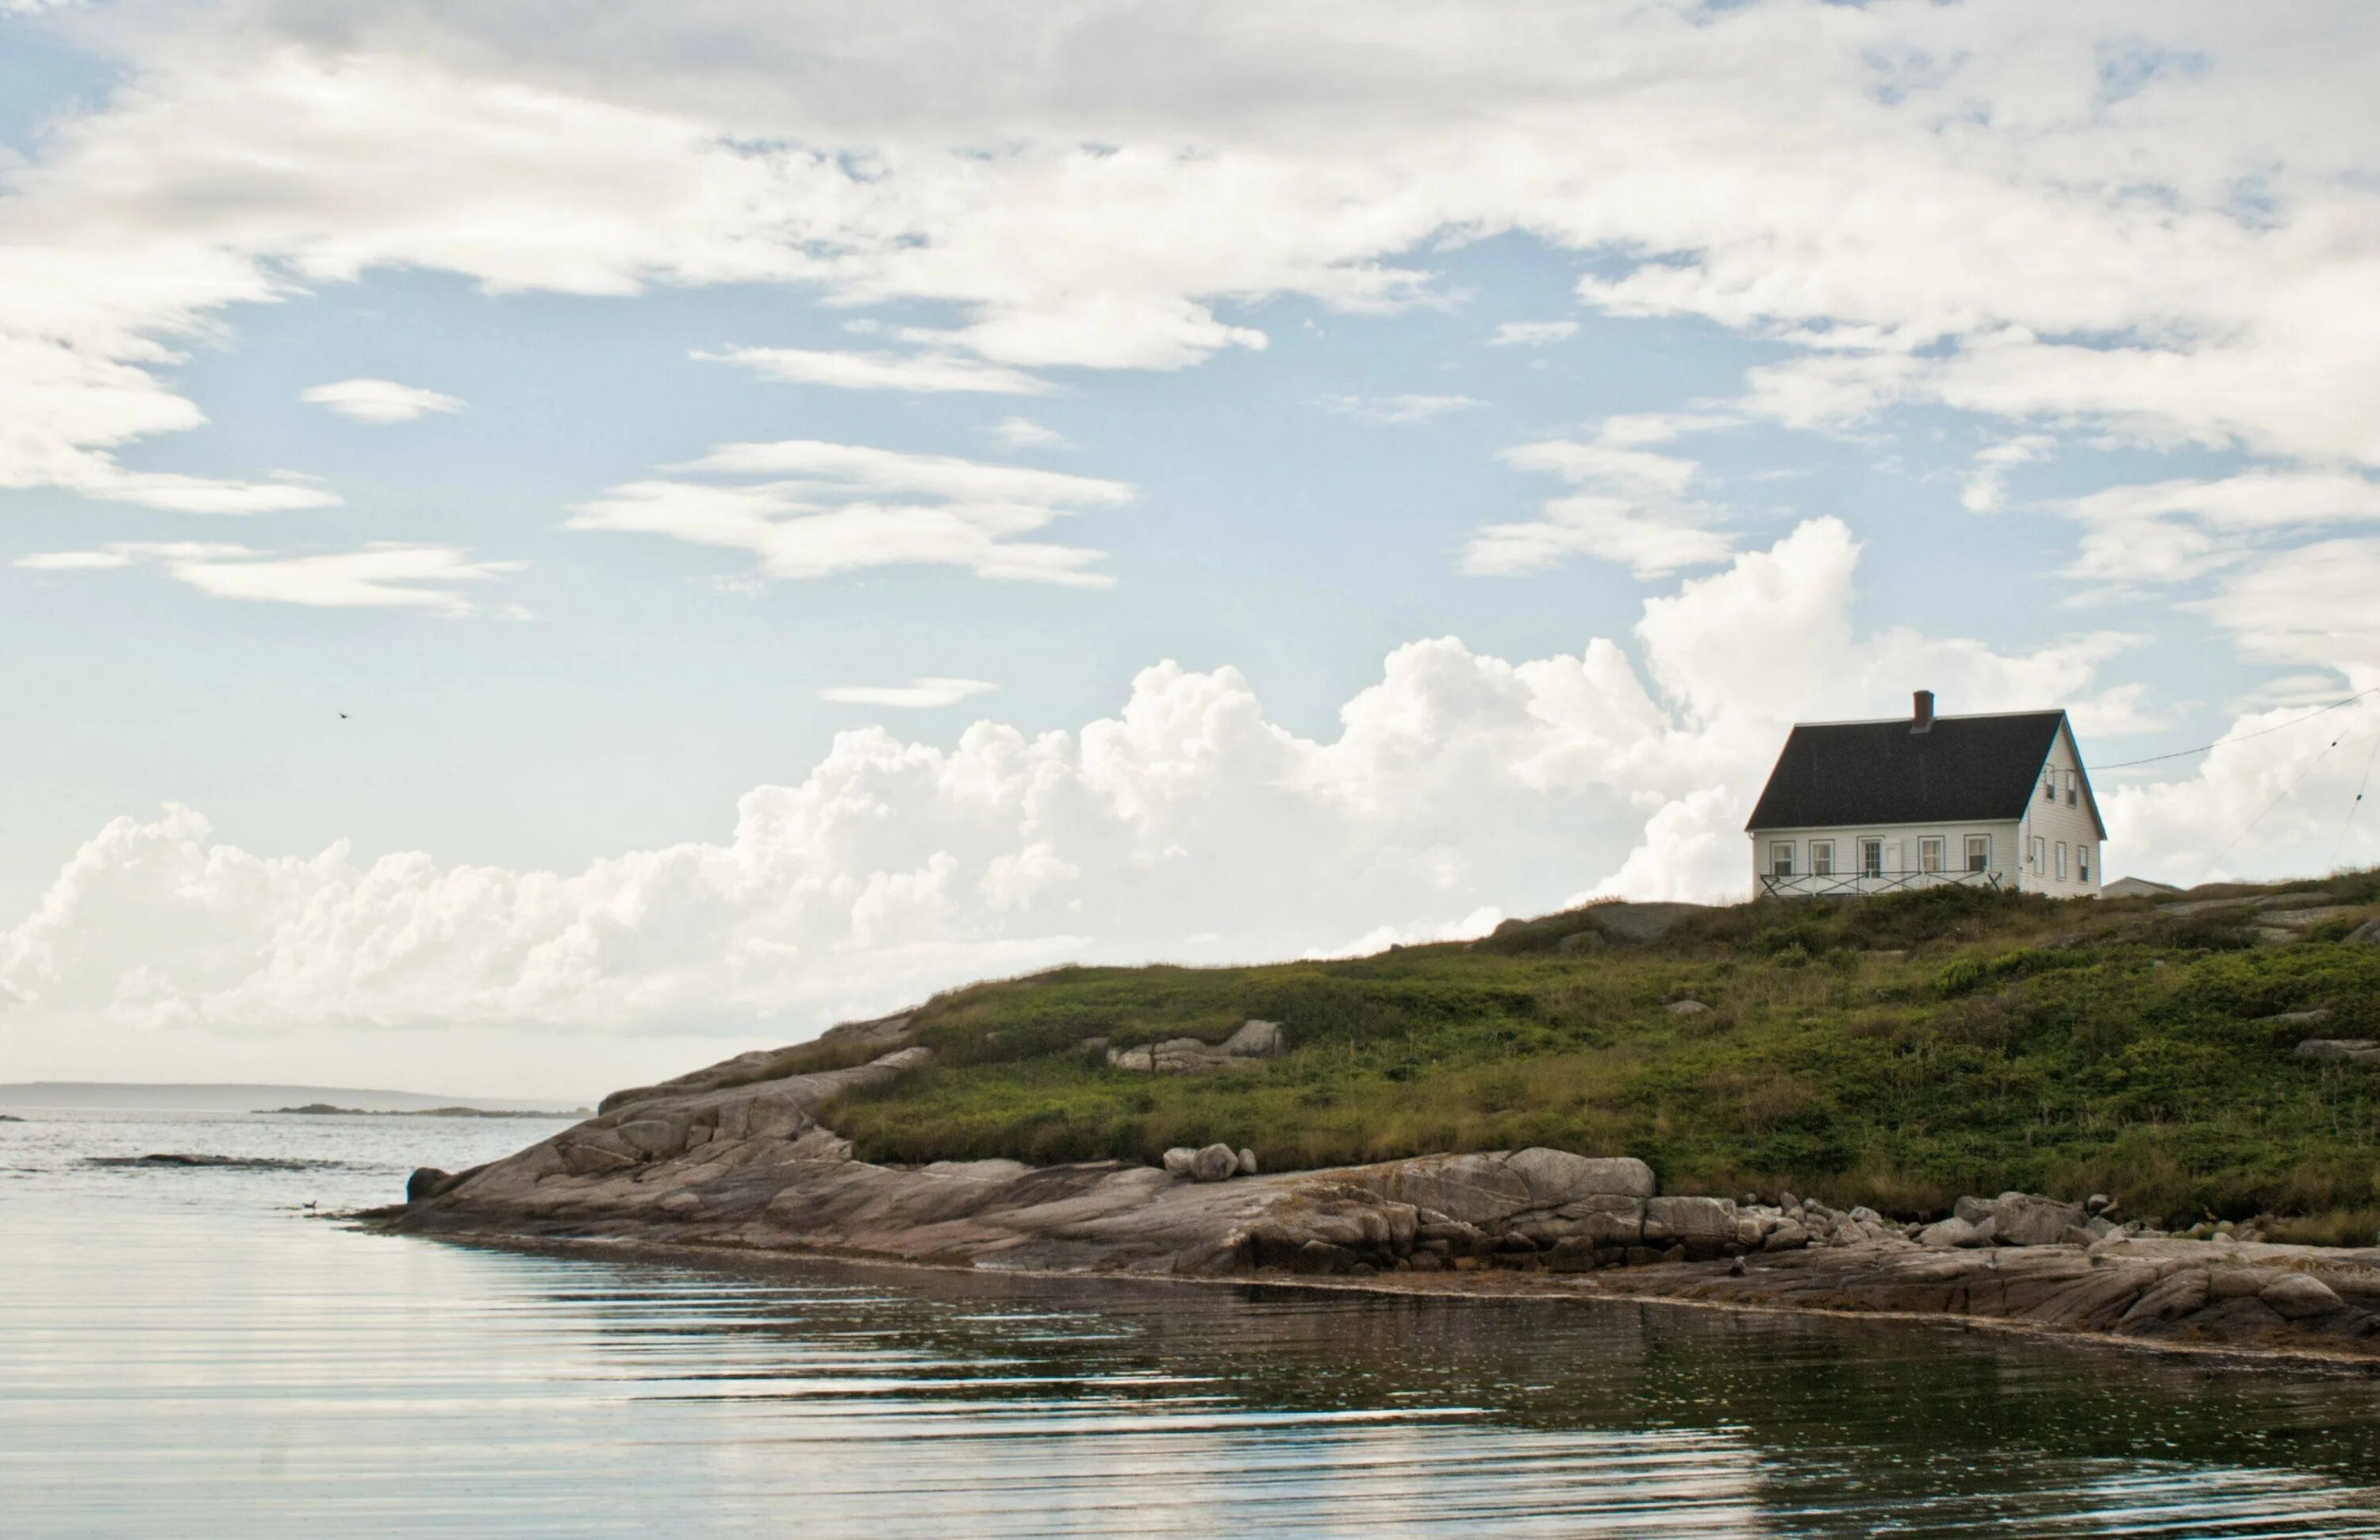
x=324, y=1109
x=246, y=1097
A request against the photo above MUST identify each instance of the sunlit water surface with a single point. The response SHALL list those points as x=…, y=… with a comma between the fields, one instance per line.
x=191, y=1352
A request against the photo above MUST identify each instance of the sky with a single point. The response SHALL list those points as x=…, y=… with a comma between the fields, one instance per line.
x=544, y=545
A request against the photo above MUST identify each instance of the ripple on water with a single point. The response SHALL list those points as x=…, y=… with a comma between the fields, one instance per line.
x=227, y=1367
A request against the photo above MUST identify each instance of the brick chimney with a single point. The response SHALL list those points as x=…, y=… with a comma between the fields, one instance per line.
x=1921, y=715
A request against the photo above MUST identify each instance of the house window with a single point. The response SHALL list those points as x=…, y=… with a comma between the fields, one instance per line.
x=2038, y=864
x=2072, y=797
x=2082, y=862
x=1822, y=857
x=1872, y=857
x=2061, y=860
x=2050, y=786
x=1929, y=855
x=1979, y=852
x=1780, y=859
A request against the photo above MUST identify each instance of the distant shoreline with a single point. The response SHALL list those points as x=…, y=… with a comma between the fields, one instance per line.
x=324, y=1109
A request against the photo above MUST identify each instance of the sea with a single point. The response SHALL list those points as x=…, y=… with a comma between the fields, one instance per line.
x=211, y=1349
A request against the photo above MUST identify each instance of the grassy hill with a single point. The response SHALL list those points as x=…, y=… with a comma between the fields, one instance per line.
x=1896, y=1051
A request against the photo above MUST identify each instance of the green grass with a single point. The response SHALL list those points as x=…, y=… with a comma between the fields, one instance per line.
x=1896, y=1051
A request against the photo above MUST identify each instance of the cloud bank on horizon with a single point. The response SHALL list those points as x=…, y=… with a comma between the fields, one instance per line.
x=2113, y=288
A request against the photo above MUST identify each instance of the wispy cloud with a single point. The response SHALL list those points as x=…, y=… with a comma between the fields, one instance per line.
x=924, y=373
x=1531, y=333
x=920, y=694
x=1020, y=434
x=1392, y=409
x=827, y=508
x=379, y=402
x=379, y=577
x=1633, y=505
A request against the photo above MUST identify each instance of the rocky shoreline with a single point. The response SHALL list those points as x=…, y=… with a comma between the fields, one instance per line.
x=722, y=1160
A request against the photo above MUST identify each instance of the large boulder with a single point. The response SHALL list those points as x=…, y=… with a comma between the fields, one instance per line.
x=1954, y=1234
x=1556, y=1177
x=1256, y=1040
x=2299, y=1295
x=1179, y=1160
x=1706, y=1220
x=2027, y=1220
x=2367, y=934
x=2353, y=1050
x=424, y=1183
x=1215, y=1163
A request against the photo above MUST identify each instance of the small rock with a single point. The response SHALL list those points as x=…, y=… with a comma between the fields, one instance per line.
x=1215, y=1163
x=1736, y=1269
x=1687, y=1008
x=1321, y=1256
x=1575, y=1254
x=1247, y=1162
x=423, y=1183
x=1179, y=1160
x=1788, y=1202
x=2367, y=934
x=2096, y=1202
x=2297, y=1018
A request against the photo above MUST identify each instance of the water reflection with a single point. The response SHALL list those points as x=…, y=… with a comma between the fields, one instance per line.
x=214, y=1365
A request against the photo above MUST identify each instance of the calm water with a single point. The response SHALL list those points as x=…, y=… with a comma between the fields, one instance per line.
x=187, y=1351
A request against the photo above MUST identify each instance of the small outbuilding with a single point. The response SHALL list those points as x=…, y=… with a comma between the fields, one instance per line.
x=2000, y=800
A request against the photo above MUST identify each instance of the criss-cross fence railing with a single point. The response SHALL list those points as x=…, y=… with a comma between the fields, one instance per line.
x=1855, y=884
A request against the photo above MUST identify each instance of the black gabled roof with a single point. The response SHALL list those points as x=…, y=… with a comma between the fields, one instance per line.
x=1963, y=770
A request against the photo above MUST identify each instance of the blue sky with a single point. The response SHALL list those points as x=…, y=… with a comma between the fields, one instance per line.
x=1950, y=367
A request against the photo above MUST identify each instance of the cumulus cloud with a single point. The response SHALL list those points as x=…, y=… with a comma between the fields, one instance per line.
x=376, y=577
x=923, y=374
x=827, y=508
x=379, y=402
x=1634, y=506
x=1391, y=410
x=932, y=690
x=1458, y=787
x=2277, y=795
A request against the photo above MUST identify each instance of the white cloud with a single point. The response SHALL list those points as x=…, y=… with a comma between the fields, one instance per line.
x=379, y=402
x=1986, y=489
x=1531, y=333
x=1635, y=507
x=2276, y=797
x=832, y=508
x=378, y=577
x=1016, y=433
x=919, y=694
x=2174, y=532
x=919, y=372
x=1391, y=410
x=1913, y=203
x=1188, y=825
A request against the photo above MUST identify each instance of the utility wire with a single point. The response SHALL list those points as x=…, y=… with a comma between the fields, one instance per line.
x=2335, y=845
x=2312, y=761
x=2202, y=749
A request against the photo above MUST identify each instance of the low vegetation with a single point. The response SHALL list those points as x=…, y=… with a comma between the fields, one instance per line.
x=1896, y=1051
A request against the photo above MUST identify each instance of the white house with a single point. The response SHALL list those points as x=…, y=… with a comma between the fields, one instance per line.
x=1922, y=800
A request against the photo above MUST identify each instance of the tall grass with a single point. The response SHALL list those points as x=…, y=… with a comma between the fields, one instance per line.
x=1895, y=1052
